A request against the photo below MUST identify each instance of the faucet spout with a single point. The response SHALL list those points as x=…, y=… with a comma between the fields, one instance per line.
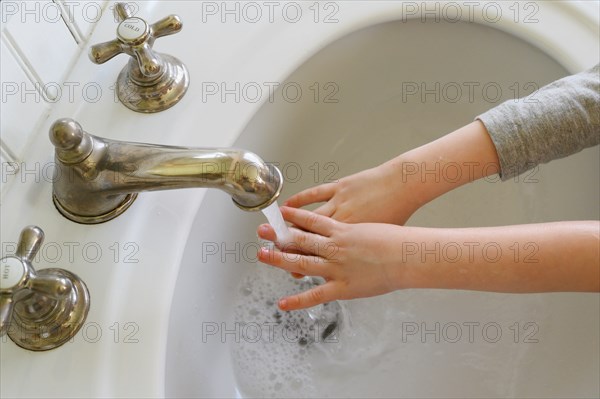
x=97, y=179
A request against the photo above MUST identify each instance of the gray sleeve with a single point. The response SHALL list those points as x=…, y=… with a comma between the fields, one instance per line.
x=560, y=119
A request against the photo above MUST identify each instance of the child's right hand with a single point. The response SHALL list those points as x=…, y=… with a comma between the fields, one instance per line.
x=376, y=195
x=393, y=191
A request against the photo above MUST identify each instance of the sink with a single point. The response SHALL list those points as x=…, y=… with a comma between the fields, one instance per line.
x=413, y=343
x=174, y=281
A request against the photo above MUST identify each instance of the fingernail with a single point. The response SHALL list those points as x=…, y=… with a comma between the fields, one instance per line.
x=283, y=303
x=263, y=228
x=263, y=252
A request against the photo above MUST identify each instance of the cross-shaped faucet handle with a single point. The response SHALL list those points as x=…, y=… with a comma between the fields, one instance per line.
x=151, y=81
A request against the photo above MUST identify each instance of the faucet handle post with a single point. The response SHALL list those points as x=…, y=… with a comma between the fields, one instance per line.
x=72, y=144
x=30, y=242
x=122, y=12
x=150, y=82
x=39, y=310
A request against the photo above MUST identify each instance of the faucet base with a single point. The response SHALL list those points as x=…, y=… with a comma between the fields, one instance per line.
x=155, y=96
x=123, y=206
x=41, y=323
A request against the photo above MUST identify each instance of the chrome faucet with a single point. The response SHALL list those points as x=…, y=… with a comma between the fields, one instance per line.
x=97, y=179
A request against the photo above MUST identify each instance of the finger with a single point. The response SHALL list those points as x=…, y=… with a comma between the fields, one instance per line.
x=304, y=242
x=302, y=264
x=327, y=209
x=266, y=232
x=297, y=275
x=309, y=196
x=299, y=242
x=309, y=221
x=313, y=297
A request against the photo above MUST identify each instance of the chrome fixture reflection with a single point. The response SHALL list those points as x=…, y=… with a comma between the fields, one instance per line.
x=39, y=310
x=151, y=81
x=97, y=179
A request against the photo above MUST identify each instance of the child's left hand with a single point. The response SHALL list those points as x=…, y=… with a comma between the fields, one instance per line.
x=356, y=260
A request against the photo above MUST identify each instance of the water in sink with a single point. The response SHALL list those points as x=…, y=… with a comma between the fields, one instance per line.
x=273, y=356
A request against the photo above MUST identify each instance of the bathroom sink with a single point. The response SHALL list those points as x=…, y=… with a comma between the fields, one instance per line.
x=368, y=105
x=174, y=281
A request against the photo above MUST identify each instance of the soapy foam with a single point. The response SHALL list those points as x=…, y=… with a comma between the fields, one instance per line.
x=278, y=364
x=291, y=358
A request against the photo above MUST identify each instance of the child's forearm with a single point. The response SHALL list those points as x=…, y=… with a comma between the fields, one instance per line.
x=547, y=257
x=460, y=157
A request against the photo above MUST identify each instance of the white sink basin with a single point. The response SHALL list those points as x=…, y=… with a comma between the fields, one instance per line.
x=543, y=345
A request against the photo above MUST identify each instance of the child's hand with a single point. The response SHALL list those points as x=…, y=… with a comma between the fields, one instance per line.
x=392, y=192
x=367, y=259
x=375, y=195
x=356, y=260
